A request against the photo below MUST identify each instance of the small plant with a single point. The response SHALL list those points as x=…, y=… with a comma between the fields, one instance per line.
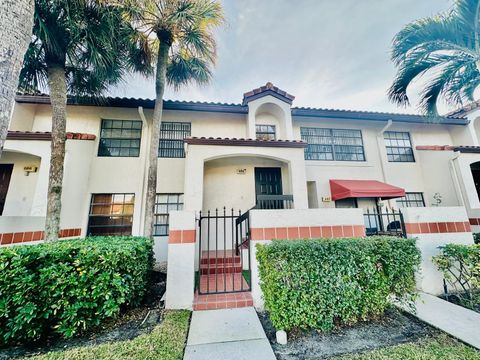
x=460, y=265
x=66, y=287
x=325, y=283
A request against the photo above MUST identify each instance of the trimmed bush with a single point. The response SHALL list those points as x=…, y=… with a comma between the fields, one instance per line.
x=69, y=286
x=460, y=265
x=323, y=283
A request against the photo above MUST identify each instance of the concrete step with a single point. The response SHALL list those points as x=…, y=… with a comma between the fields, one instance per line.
x=225, y=268
x=222, y=301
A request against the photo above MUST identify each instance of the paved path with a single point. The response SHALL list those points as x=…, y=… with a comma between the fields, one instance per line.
x=234, y=334
x=455, y=320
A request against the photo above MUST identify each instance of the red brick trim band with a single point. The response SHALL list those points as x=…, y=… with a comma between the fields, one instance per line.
x=28, y=236
x=474, y=221
x=307, y=232
x=181, y=236
x=438, y=227
x=46, y=135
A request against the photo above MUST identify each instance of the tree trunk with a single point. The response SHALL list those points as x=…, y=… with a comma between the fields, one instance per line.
x=58, y=98
x=160, y=82
x=16, y=19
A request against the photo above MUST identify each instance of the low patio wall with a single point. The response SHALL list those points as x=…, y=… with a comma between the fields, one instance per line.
x=27, y=229
x=435, y=227
x=267, y=225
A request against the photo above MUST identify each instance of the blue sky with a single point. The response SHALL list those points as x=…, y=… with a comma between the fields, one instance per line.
x=328, y=53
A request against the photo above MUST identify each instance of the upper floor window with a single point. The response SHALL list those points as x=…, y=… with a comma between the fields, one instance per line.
x=120, y=138
x=265, y=132
x=165, y=203
x=333, y=144
x=399, y=146
x=412, y=199
x=111, y=214
x=171, y=139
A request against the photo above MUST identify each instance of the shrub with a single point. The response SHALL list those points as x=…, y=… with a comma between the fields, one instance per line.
x=327, y=282
x=460, y=265
x=69, y=286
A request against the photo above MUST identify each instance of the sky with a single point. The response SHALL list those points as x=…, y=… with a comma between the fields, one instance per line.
x=327, y=53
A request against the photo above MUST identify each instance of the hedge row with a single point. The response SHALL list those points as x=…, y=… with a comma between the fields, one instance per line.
x=323, y=283
x=69, y=286
x=460, y=265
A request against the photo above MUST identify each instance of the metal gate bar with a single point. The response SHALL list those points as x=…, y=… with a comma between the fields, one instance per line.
x=223, y=266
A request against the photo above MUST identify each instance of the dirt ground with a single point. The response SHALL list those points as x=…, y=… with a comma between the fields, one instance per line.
x=395, y=327
x=130, y=324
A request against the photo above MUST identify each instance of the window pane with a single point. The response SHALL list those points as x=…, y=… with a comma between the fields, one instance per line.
x=120, y=138
x=398, y=146
x=347, y=144
x=411, y=200
x=172, y=135
x=164, y=204
x=265, y=132
x=111, y=214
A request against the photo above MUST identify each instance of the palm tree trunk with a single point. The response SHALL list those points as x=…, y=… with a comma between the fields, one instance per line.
x=160, y=82
x=16, y=17
x=58, y=98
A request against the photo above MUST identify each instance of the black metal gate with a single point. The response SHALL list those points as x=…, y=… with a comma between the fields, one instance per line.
x=224, y=252
x=387, y=222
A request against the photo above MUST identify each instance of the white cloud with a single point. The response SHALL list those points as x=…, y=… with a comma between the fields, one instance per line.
x=326, y=53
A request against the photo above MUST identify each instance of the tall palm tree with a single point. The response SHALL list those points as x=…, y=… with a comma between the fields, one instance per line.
x=77, y=47
x=179, y=35
x=444, y=51
x=17, y=20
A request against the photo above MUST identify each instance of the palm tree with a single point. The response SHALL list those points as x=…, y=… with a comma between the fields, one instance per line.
x=179, y=34
x=444, y=50
x=77, y=47
x=17, y=20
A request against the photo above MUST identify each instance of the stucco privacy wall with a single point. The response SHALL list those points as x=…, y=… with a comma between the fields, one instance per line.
x=435, y=227
x=267, y=225
x=181, y=260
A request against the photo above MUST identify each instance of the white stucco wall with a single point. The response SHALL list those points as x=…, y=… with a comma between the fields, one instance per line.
x=429, y=279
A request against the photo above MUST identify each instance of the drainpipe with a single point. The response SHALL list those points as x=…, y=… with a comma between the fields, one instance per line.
x=456, y=182
x=380, y=144
x=144, y=159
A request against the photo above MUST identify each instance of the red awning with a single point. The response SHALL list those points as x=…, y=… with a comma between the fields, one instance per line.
x=343, y=189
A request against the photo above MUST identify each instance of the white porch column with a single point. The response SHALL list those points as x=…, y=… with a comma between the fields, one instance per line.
x=193, y=189
x=298, y=178
x=181, y=261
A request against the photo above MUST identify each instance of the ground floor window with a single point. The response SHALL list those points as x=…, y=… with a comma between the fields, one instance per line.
x=111, y=214
x=411, y=199
x=163, y=205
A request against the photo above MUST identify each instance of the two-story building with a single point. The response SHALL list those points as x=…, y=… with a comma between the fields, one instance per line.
x=263, y=152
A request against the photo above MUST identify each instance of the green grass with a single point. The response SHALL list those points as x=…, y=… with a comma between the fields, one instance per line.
x=167, y=342
x=439, y=348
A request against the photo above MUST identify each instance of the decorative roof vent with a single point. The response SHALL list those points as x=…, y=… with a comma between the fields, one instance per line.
x=268, y=89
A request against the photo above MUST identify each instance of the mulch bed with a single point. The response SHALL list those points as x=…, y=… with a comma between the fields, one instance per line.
x=130, y=324
x=395, y=327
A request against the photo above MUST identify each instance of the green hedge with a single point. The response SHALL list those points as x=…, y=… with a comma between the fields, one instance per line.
x=69, y=286
x=323, y=283
x=460, y=265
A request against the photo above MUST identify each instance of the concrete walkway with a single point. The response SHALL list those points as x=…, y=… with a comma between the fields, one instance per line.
x=455, y=320
x=234, y=334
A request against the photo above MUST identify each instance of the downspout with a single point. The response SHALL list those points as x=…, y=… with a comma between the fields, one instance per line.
x=144, y=158
x=380, y=144
x=456, y=182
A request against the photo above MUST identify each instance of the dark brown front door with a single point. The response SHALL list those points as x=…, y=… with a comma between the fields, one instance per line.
x=5, y=175
x=268, y=181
